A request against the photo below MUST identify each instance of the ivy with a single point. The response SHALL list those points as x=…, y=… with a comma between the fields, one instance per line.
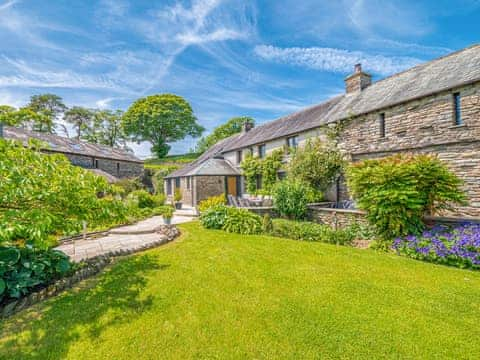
x=251, y=167
x=268, y=168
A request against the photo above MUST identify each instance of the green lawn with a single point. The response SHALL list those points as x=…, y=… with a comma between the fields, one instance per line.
x=210, y=294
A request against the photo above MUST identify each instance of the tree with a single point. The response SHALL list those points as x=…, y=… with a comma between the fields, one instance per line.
x=48, y=105
x=21, y=117
x=106, y=129
x=231, y=127
x=80, y=117
x=317, y=164
x=161, y=119
x=43, y=195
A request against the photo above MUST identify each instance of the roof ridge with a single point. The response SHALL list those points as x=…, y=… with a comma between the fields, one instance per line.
x=425, y=63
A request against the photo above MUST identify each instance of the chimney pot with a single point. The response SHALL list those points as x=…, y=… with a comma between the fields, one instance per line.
x=247, y=126
x=358, y=81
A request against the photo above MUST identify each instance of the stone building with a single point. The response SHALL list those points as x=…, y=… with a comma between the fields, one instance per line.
x=431, y=108
x=106, y=161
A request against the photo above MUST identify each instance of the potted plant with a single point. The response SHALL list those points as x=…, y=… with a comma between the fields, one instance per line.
x=177, y=197
x=167, y=214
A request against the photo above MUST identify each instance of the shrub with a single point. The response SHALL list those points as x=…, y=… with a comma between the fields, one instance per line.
x=129, y=185
x=234, y=220
x=178, y=195
x=144, y=199
x=24, y=269
x=166, y=211
x=251, y=167
x=211, y=202
x=309, y=231
x=399, y=190
x=317, y=164
x=242, y=221
x=290, y=199
x=43, y=196
x=214, y=217
x=459, y=246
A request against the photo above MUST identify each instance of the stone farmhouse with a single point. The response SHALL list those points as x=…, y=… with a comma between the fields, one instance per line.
x=108, y=162
x=431, y=108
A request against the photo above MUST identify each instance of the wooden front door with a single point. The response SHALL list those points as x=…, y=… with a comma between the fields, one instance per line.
x=232, y=185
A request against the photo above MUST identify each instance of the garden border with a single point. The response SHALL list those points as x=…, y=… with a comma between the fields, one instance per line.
x=90, y=267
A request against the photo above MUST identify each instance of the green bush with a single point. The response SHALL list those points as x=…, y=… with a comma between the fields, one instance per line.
x=242, y=221
x=290, y=199
x=24, y=269
x=317, y=164
x=177, y=195
x=234, y=220
x=397, y=191
x=144, y=199
x=166, y=211
x=44, y=196
x=309, y=231
x=129, y=185
x=214, y=217
x=211, y=202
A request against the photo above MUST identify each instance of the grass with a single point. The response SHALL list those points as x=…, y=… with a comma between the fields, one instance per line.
x=210, y=294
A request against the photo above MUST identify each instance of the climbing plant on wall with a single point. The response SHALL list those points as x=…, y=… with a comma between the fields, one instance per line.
x=268, y=168
x=251, y=169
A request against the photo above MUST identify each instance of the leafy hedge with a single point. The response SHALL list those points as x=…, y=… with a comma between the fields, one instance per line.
x=397, y=191
x=23, y=269
x=309, y=231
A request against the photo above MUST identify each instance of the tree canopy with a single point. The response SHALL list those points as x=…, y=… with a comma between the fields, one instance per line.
x=161, y=119
x=50, y=106
x=80, y=117
x=231, y=127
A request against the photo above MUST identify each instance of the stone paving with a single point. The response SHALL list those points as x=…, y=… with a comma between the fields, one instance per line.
x=129, y=237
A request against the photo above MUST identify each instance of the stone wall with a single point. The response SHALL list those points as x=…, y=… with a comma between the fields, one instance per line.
x=426, y=125
x=117, y=168
x=336, y=218
x=208, y=186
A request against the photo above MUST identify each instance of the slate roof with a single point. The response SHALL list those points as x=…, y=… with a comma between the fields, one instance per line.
x=70, y=146
x=453, y=70
x=445, y=73
x=202, y=165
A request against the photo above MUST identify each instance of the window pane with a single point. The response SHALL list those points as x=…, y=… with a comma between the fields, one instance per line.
x=458, y=109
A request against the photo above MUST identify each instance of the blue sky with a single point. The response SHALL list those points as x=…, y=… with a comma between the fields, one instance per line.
x=228, y=58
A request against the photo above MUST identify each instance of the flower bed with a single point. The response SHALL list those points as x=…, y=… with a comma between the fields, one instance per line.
x=458, y=246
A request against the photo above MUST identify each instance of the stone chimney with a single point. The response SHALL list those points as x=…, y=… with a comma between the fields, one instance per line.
x=358, y=81
x=247, y=126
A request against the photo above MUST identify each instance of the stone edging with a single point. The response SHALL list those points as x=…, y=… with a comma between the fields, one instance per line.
x=91, y=267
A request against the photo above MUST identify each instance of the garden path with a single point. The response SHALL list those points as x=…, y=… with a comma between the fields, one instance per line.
x=130, y=237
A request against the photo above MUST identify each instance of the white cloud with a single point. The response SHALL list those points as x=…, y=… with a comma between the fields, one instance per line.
x=334, y=60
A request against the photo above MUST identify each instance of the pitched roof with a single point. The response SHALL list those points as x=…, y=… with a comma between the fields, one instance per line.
x=453, y=70
x=70, y=146
x=212, y=152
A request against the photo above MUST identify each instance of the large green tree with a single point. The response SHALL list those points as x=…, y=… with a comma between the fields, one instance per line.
x=23, y=117
x=231, y=127
x=161, y=119
x=106, y=128
x=50, y=107
x=81, y=118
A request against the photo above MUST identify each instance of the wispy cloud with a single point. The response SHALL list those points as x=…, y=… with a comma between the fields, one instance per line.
x=334, y=60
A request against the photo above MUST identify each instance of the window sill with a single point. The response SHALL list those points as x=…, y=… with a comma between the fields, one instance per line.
x=461, y=126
